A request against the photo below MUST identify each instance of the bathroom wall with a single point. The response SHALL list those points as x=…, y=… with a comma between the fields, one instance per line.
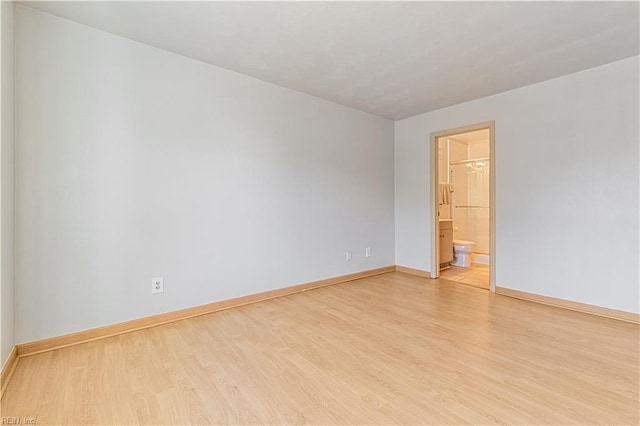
x=443, y=160
x=478, y=148
x=445, y=210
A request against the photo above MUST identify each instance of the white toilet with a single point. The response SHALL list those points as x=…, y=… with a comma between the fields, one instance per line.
x=462, y=250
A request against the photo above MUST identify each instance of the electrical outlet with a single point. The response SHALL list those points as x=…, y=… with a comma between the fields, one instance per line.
x=157, y=285
x=348, y=257
x=367, y=252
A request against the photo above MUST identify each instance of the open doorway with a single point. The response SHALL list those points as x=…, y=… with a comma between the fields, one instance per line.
x=463, y=205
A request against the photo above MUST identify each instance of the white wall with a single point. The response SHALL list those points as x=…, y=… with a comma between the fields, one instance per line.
x=7, y=323
x=134, y=163
x=566, y=185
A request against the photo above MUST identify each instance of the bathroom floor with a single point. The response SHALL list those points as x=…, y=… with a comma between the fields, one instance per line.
x=476, y=275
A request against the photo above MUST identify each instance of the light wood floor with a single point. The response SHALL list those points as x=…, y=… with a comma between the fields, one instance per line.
x=476, y=275
x=391, y=349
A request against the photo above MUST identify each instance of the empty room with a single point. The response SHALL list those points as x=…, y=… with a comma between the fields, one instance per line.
x=327, y=213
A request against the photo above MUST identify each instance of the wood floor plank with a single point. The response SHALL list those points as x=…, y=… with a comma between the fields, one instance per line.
x=388, y=349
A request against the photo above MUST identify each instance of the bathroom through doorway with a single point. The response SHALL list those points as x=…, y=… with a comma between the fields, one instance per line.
x=462, y=205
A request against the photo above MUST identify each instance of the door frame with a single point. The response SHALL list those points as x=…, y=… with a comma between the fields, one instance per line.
x=435, y=246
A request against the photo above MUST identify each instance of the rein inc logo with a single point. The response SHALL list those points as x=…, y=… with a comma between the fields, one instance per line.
x=18, y=420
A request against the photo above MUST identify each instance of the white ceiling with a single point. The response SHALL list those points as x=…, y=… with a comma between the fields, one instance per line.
x=393, y=59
